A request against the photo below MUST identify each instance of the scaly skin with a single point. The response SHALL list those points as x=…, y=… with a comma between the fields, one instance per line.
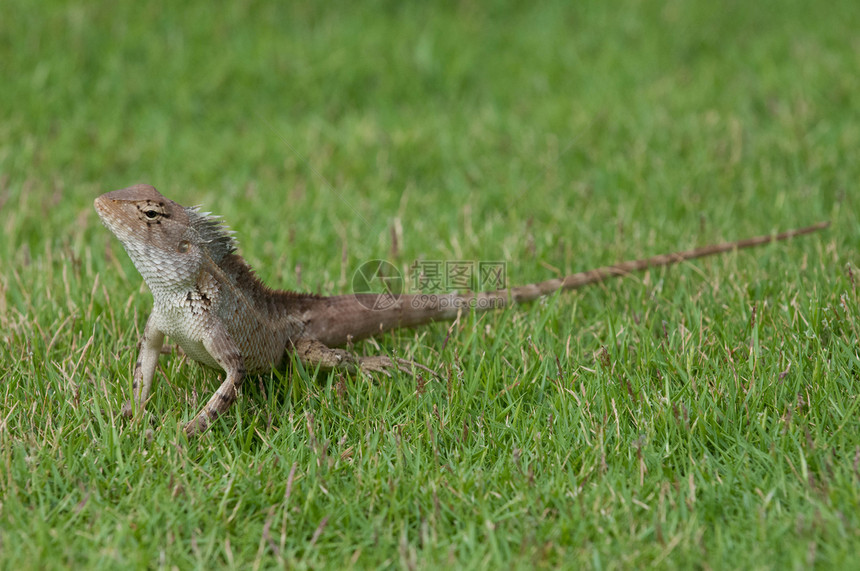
x=210, y=303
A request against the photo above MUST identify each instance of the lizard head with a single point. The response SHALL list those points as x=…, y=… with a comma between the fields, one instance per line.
x=165, y=240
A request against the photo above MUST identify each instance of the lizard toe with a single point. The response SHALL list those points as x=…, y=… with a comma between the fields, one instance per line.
x=126, y=410
x=376, y=364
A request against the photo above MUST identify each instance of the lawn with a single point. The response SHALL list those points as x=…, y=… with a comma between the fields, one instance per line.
x=704, y=415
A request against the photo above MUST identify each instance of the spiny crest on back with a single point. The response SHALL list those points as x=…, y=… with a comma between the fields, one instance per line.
x=214, y=234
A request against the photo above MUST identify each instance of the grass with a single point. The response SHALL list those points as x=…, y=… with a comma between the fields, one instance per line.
x=704, y=415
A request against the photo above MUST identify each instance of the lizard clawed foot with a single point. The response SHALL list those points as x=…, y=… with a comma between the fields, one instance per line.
x=197, y=426
x=384, y=364
x=126, y=411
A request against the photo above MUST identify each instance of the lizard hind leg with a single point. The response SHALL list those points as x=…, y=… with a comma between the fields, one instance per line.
x=313, y=353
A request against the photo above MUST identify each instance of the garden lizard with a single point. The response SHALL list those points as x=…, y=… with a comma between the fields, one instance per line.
x=210, y=303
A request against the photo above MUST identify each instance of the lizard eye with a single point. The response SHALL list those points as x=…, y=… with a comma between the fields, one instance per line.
x=151, y=212
x=183, y=246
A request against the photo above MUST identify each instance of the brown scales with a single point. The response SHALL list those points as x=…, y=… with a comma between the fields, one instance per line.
x=210, y=302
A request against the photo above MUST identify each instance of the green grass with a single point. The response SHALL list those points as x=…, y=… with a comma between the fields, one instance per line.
x=699, y=416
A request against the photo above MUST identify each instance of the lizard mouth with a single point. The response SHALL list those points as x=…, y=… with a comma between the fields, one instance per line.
x=99, y=204
x=102, y=207
x=101, y=210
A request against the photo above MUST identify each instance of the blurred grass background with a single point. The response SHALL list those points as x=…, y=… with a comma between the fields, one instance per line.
x=555, y=136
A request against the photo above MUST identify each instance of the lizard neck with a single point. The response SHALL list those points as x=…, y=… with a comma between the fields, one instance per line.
x=278, y=307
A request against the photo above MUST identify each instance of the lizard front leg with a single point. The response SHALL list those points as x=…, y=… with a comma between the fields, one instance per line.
x=314, y=353
x=226, y=353
x=144, y=368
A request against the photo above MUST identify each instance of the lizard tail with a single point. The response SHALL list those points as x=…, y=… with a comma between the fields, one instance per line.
x=340, y=319
x=574, y=281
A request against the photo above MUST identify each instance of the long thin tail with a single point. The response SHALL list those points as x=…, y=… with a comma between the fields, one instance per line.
x=573, y=281
x=340, y=319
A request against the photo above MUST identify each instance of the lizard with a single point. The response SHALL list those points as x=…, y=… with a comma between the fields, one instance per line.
x=211, y=304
